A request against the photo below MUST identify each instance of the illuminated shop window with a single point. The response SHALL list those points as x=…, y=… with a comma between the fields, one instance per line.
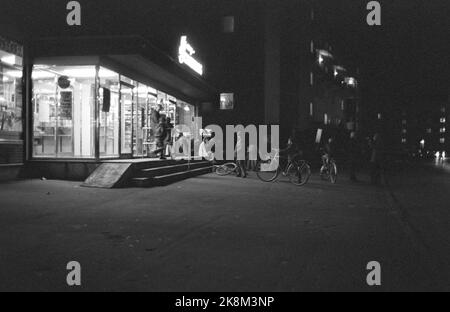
x=63, y=111
x=10, y=96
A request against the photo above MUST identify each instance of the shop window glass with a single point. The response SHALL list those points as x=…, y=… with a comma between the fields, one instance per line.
x=10, y=96
x=109, y=113
x=63, y=111
x=127, y=87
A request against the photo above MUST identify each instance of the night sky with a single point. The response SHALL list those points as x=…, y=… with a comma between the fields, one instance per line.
x=405, y=58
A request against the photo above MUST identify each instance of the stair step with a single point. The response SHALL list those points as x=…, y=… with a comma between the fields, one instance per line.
x=170, y=178
x=155, y=169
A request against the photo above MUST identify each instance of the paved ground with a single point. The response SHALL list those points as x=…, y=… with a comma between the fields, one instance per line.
x=224, y=234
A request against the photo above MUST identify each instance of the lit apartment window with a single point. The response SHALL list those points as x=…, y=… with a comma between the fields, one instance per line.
x=442, y=130
x=379, y=116
x=429, y=130
x=311, y=109
x=311, y=78
x=403, y=140
x=312, y=46
x=404, y=131
x=325, y=118
x=442, y=140
x=443, y=109
x=442, y=120
x=228, y=24
x=403, y=122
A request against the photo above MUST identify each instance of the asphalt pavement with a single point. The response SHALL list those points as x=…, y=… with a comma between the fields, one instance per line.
x=214, y=233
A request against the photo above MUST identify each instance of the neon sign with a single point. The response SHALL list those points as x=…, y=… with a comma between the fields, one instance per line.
x=185, y=56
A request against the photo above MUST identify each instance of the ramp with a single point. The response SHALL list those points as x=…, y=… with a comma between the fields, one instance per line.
x=109, y=175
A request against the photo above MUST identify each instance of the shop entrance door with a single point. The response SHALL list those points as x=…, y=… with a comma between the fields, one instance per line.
x=126, y=120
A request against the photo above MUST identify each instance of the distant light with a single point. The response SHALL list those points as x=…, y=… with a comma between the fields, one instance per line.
x=320, y=59
x=422, y=143
x=438, y=155
x=351, y=81
x=379, y=116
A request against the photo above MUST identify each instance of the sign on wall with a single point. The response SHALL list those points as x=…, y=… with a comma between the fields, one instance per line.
x=65, y=105
x=227, y=101
x=185, y=56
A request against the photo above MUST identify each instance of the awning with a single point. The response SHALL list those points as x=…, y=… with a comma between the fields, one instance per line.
x=132, y=56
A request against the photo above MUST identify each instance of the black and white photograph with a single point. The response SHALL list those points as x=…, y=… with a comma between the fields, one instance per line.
x=224, y=154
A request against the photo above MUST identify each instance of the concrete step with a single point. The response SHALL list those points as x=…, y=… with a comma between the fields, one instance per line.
x=170, y=178
x=168, y=169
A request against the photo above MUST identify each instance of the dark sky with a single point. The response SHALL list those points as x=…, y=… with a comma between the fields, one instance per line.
x=407, y=57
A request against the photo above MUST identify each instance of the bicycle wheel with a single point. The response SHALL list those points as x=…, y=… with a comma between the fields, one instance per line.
x=333, y=173
x=265, y=173
x=299, y=174
x=226, y=169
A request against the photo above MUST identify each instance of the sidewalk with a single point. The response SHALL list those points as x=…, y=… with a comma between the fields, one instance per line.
x=205, y=234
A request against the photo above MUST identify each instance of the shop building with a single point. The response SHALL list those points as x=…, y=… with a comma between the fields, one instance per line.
x=11, y=108
x=72, y=103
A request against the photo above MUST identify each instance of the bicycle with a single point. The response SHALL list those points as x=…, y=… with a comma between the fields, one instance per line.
x=329, y=171
x=226, y=169
x=298, y=171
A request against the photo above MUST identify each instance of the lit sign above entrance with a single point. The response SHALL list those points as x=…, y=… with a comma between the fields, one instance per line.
x=185, y=56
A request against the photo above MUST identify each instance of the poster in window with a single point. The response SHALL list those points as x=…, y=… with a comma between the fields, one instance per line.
x=227, y=101
x=65, y=105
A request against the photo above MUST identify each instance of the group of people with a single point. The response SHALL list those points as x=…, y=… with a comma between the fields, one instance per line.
x=352, y=149
x=354, y=153
x=162, y=132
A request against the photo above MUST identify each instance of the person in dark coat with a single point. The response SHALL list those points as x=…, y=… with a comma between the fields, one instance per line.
x=160, y=137
x=168, y=140
x=376, y=159
x=354, y=152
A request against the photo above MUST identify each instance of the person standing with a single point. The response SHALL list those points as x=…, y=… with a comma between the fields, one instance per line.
x=168, y=140
x=376, y=146
x=160, y=137
x=353, y=155
x=239, y=152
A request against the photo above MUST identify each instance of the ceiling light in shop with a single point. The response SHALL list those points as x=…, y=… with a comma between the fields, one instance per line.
x=11, y=59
